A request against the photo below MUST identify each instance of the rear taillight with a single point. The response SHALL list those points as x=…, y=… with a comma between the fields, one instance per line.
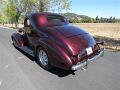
x=74, y=59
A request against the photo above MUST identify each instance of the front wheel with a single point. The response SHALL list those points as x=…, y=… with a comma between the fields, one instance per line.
x=43, y=59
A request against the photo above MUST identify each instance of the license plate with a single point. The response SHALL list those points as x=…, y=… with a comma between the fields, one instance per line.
x=89, y=51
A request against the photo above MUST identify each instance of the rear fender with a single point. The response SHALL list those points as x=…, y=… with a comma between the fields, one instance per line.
x=58, y=56
x=62, y=59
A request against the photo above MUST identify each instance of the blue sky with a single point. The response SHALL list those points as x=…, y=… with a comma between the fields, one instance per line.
x=93, y=8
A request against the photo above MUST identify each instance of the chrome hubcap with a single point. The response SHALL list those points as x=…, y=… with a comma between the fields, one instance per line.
x=43, y=58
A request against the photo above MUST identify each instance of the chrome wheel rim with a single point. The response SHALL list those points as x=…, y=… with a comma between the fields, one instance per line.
x=43, y=58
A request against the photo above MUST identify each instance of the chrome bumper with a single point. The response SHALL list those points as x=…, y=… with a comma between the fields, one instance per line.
x=83, y=64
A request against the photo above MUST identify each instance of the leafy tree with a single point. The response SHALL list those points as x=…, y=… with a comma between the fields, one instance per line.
x=3, y=18
x=110, y=20
x=113, y=20
x=14, y=8
x=27, y=6
x=86, y=20
x=11, y=12
x=102, y=20
x=76, y=20
x=97, y=19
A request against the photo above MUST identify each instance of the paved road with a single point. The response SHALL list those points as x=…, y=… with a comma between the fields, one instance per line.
x=20, y=72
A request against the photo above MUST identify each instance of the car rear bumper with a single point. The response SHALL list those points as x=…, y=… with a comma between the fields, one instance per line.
x=83, y=64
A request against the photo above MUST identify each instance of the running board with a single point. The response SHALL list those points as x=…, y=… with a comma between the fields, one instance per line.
x=28, y=50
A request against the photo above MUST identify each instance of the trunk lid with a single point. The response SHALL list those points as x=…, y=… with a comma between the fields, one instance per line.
x=76, y=39
x=70, y=31
x=78, y=44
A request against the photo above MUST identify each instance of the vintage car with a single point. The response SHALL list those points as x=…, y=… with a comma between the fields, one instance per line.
x=54, y=42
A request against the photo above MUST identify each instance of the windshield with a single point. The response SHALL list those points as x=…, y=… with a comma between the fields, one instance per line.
x=50, y=20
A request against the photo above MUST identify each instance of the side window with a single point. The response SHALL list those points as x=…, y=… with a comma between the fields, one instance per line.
x=27, y=25
x=27, y=22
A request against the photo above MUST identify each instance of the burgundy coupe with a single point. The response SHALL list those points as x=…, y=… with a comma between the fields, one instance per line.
x=54, y=42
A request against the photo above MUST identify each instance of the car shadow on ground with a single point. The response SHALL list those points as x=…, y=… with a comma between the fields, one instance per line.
x=56, y=71
x=61, y=72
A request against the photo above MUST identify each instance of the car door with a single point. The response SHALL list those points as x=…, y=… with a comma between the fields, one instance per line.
x=31, y=33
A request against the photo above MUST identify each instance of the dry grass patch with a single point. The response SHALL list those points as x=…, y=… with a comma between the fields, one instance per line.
x=108, y=32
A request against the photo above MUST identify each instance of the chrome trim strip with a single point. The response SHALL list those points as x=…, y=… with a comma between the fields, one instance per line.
x=79, y=66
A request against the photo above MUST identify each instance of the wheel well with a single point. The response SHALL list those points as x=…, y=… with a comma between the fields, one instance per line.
x=37, y=49
x=39, y=46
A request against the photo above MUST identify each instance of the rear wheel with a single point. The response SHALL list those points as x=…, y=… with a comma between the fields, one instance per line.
x=43, y=59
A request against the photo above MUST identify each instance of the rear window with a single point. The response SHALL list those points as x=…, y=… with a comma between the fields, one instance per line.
x=55, y=19
x=50, y=20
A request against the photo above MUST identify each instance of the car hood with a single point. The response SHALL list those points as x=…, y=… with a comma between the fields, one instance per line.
x=74, y=39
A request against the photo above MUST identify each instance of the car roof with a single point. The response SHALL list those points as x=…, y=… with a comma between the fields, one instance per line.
x=43, y=13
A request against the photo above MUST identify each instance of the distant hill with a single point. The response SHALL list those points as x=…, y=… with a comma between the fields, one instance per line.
x=75, y=18
x=69, y=15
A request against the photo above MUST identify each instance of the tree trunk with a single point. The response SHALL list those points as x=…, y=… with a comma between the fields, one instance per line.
x=41, y=6
x=16, y=21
